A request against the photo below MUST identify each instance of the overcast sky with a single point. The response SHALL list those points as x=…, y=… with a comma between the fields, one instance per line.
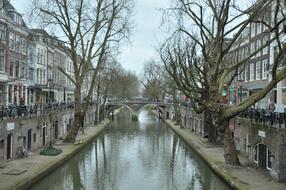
x=146, y=34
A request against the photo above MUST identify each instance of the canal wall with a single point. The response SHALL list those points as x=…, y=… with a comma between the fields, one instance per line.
x=44, y=165
x=242, y=177
x=23, y=173
x=194, y=142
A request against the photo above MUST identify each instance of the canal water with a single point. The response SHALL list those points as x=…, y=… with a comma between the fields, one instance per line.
x=143, y=155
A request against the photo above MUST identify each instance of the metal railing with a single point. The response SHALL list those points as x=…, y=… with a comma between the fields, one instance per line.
x=265, y=117
x=13, y=111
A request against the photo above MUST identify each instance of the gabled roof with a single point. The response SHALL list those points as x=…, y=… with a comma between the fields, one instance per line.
x=7, y=7
x=40, y=31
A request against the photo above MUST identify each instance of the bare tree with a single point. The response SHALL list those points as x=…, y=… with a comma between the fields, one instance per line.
x=106, y=79
x=3, y=3
x=154, y=80
x=198, y=56
x=88, y=30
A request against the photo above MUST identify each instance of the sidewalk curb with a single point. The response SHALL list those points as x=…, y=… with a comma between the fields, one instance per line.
x=31, y=180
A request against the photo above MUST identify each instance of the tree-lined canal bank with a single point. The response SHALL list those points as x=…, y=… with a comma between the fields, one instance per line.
x=134, y=155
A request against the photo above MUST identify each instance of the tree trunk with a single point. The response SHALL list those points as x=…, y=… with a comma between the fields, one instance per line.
x=78, y=118
x=218, y=125
x=77, y=124
x=230, y=152
x=210, y=124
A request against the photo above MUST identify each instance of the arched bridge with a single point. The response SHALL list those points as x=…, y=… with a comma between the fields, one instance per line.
x=136, y=106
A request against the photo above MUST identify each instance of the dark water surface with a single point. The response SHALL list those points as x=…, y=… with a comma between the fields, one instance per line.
x=143, y=155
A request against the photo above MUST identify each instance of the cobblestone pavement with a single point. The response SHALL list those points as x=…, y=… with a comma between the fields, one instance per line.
x=243, y=177
x=19, y=173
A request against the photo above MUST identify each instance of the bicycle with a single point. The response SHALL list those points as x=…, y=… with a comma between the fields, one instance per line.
x=21, y=152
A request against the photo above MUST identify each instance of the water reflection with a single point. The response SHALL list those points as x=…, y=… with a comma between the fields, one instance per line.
x=134, y=155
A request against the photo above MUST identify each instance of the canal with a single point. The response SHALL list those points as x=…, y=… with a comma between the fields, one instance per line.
x=143, y=155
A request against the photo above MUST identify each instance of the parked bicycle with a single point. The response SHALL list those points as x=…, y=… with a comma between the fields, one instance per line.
x=21, y=152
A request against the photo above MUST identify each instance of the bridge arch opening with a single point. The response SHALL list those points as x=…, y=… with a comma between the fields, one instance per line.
x=150, y=106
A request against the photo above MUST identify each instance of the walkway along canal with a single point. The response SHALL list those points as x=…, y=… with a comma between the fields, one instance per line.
x=134, y=155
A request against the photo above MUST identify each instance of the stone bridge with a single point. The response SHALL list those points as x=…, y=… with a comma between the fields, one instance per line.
x=136, y=106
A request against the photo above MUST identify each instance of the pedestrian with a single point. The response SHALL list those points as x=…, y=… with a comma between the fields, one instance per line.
x=271, y=107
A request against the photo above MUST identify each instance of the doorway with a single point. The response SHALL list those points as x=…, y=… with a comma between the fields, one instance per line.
x=44, y=136
x=2, y=149
x=56, y=130
x=9, y=146
x=262, y=155
x=29, y=139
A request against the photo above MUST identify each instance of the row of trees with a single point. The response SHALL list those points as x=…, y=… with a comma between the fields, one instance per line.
x=197, y=57
x=200, y=61
x=91, y=32
x=114, y=82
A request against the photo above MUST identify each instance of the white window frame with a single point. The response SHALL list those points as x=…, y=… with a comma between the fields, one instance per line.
x=258, y=70
x=251, y=72
x=265, y=49
x=264, y=69
x=258, y=45
x=253, y=29
x=258, y=28
x=252, y=47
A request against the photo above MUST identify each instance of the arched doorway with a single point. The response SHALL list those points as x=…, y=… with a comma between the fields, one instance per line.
x=262, y=156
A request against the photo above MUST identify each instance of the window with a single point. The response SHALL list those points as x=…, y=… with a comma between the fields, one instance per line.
x=258, y=70
x=41, y=57
x=20, y=92
x=265, y=49
x=17, y=69
x=251, y=72
x=23, y=46
x=44, y=57
x=2, y=60
x=252, y=29
x=11, y=69
x=15, y=93
x=23, y=73
x=243, y=74
x=264, y=69
x=258, y=46
x=18, y=43
x=41, y=76
x=258, y=28
x=35, y=137
x=44, y=77
x=3, y=32
x=247, y=73
x=10, y=93
x=252, y=48
x=12, y=41
x=31, y=74
x=38, y=76
x=38, y=58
